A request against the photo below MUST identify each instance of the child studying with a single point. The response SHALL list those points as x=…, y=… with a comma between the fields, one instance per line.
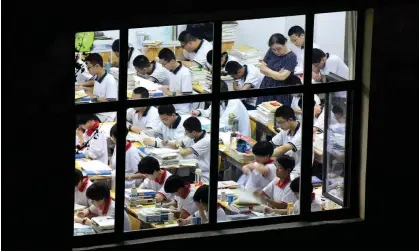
x=80, y=187
x=315, y=202
x=183, y=196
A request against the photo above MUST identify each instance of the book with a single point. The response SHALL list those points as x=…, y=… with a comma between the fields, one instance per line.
x=94, y=167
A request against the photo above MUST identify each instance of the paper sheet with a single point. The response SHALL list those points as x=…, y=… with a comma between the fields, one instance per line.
x=94, y=165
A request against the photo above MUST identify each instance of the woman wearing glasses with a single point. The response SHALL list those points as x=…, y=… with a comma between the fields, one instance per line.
x=277, y=66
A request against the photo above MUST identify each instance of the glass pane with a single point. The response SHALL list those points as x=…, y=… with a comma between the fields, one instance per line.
x=170, y=60
x=256, y=170
x=167, y=166
x=334, y=46
x=94, y=188
x=95, y=79
x=329, y=165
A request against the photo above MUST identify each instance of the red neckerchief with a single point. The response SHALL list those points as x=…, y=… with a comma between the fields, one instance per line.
x=127, y=146
x=186, y=191
x=313, y=196
x=84, y=184
x=269, y=162
x=163, y=177
x=107, y=205
x=94, y=127
x=283, y=184
x=218, y=205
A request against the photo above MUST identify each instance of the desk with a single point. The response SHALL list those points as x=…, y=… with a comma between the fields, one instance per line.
x=80, y=94
x=198, y=88
x=261, y=128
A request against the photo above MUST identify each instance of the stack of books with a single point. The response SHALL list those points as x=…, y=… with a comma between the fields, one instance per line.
x=103, y=224
x=143, y=197
x=199, y=75
x=266, y=111
x=247, y=55
x=166, y=157
x=94, y=167
x=229, y=31
x=153, y=215
x=152, y=43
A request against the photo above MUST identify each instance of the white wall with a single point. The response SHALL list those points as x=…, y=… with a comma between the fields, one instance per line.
x=162, y=33
x=329, y=32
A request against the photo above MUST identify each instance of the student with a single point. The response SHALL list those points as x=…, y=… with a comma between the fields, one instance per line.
x=201, y=200
x=155, y=178
x=105, y=87
x=198, y=143
x=225, y=58
x=297, y=37
x=288, y=141
x=144, y=118
x=80, y=187
x=92, y=141
x=180, y=81
x=103, y=205
x=154, y=71
x=234, y=106
x=338, y=115
x=262, y=171
x=317, y=108
x=315, y=202
x=183, y=196
x=170, y=128
x=132, y=53
x=132, y=158
x=278, y=193
x=246, y=77
x=195, y=50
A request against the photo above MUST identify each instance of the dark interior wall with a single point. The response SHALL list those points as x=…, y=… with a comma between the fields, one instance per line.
x=37, y=70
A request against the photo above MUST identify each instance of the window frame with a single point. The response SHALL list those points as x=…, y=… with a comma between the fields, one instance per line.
x=352, y=150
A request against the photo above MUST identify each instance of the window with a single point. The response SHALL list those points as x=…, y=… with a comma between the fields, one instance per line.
x=254, y=84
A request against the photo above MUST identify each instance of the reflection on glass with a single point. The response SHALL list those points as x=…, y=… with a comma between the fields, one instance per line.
x=94, y=207
x=334, y=49
x=95, y=80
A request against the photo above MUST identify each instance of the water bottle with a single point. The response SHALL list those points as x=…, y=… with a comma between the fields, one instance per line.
x=198, y=173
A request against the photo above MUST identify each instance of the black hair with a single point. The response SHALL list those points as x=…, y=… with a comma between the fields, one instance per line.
x=295, y=30
x=293, y=80
x=285, y=112
x=114, y=131
x=209, y=57
x=94, y=59
x=98, y=191
x=79, y=176
x=286, y=162
x=173, y=183
x=192, y=124
x=141, y=61
x=295, y=185
x=167, y=109
x=84, y=118
x=223, y=86
x=300, y=103
x=233, y=67
x=337, y=109
x=148, y=165
x=317, y=56
x=115, y=45
x=186, y=36
x=263, y=148
x=201, y=194
x=277, y=38
x=141, y=91
x=167, y=55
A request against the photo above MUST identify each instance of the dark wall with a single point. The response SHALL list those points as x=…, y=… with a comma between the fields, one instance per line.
x=36, y=114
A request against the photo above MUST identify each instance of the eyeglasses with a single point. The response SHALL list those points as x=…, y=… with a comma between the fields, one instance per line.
x=281, y=122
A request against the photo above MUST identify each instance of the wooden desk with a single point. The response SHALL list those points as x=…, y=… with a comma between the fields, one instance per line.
x=261, y=128
x=198, y=88
x=80, y=94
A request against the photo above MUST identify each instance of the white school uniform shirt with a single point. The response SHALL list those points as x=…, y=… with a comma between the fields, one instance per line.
x=158, y=185
x=181, y=81
x=175, y=132
x=200, y=54
x=131, y=57
x=295, y=107
x=221, y=215
x=280, y=193
x=319, y=122
x=236, y=107
x=201, y=149
x=106, y=87
x=286, y=137
x=111, y=213
x=253, y=76
x=80, y=196
x=257, y=181
x=160, y=74
x=97, y=146
x=187, y=204
x=299, y=52
x=315, y=205
x=132, y=158
x=149, y=120
x=335, y=64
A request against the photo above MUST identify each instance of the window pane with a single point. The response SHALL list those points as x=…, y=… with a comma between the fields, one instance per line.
x=94, y=186
x=96, y=80
x=254, y=172
x=329, y=164
x=334, y=46
x=168, y=162
x=170, y=60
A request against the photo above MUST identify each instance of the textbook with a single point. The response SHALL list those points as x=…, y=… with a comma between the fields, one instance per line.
x=94, y=167
x=103, y=224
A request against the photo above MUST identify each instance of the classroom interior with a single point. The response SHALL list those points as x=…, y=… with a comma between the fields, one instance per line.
x=259, y=150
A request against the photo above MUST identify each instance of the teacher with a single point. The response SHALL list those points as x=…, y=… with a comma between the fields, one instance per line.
x=277, y=66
